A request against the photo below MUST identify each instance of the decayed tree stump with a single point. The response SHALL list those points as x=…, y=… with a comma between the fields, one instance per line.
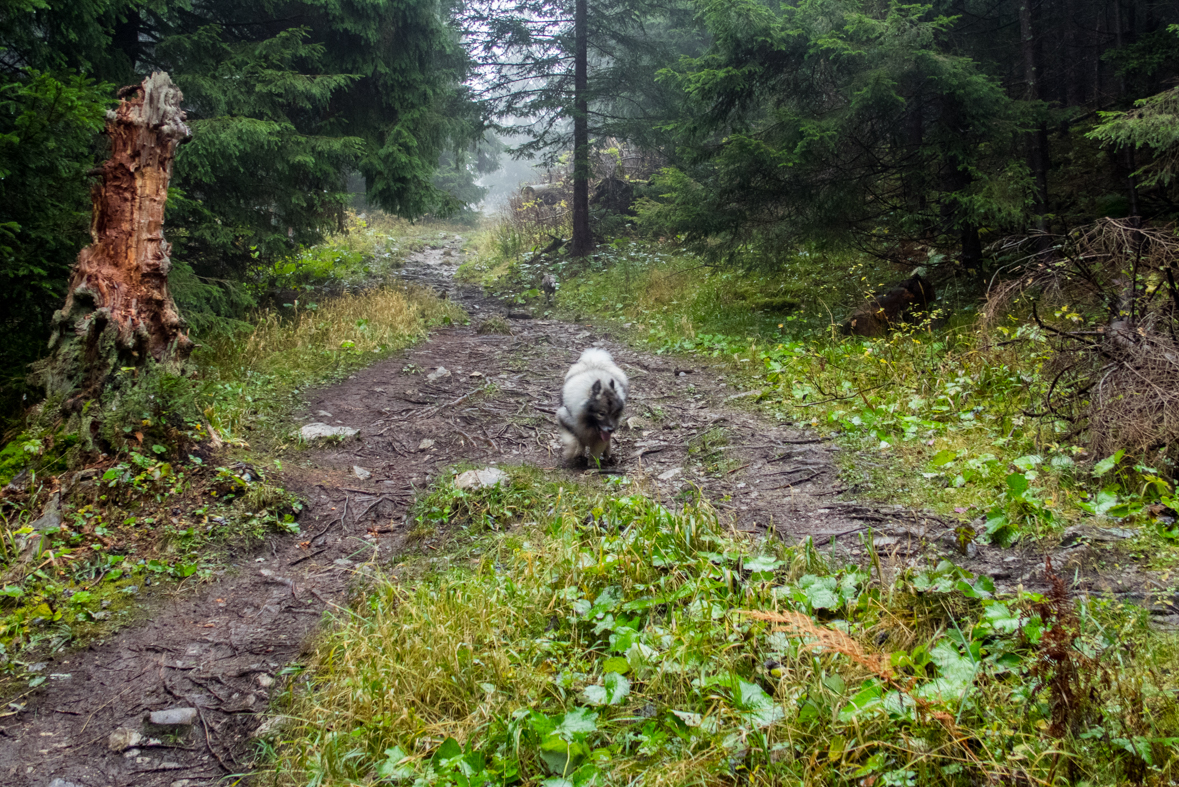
x=118, y=311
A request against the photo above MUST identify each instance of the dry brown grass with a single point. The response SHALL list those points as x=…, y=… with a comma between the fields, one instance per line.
x=253, y=373
x=1115, y=331
x=822, y=639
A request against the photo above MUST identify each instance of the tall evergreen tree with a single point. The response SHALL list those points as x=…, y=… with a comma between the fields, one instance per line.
x=564, y=72
x=820, y=120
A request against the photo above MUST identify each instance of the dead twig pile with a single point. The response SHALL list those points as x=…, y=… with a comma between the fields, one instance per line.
x=1107, y=299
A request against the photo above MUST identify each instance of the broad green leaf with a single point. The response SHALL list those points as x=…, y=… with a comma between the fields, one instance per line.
x=607, y=600
x=594, y=695
x=1137, y=745
x=617, y=687
x=1017, y=484
x=616, y=664
x=1029, y=462
x=641, y=657
x=866, y=698
x=1107, y=464
x=577, y=723
x=955, y=673
x=762, y=563
x=1001, y=619
x=562, y=757
x=999, y=530
x=942, y=458
x=821, y=592
x=761, y=709
x=449, y=749
x=395, y=767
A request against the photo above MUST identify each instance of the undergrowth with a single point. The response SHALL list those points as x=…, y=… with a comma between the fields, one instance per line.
x=590, y=636
x=175, y=484
x=110, y=532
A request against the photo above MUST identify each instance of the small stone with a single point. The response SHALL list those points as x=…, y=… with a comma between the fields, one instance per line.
x=1078, y=534
x=667, y=475
x=123, y=738
x=19, y=483
x=264, y=680
x=426, y=444
x=50, y=521
x=1118, y=533
x=480, y=479
x=476, y=374
x=268, y=727
x=173, y=717
x=31, y=545
x=62, y=783
x=638, y=423
x=322, y=414
x=438, y=374
x=319, y=431
x=361, y=473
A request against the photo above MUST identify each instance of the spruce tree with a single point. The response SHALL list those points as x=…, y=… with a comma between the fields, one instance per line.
x=563, y=73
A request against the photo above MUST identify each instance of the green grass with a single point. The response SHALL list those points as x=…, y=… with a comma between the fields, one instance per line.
x=591, y=636
x=366, y=253
x=252, y=379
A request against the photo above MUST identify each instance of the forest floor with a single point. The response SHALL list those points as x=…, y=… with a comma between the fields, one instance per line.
x=469, y=397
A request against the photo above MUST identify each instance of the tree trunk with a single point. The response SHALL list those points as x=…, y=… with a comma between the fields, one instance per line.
x=118, y=312
x=583, y=240
x=1038, y=148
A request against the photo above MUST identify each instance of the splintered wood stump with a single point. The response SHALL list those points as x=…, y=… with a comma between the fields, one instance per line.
x=118, y=311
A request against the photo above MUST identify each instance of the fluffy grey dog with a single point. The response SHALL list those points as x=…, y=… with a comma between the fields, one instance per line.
x=591, y=404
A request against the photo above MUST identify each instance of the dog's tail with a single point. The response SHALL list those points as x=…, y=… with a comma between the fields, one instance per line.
x=596, y=356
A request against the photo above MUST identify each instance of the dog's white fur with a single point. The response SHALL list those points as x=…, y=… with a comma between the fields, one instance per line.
x=578, y=401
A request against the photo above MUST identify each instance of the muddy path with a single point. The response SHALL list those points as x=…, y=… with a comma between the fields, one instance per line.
x=461, y=397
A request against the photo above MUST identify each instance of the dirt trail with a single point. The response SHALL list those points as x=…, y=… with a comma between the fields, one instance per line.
x=220, y=649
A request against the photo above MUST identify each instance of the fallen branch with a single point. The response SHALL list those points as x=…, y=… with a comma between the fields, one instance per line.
x=209, y=742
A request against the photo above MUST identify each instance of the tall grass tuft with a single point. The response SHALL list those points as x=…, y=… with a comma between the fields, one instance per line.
x=252, y=375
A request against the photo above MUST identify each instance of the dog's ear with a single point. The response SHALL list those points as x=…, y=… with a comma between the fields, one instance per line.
x=597, y=389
